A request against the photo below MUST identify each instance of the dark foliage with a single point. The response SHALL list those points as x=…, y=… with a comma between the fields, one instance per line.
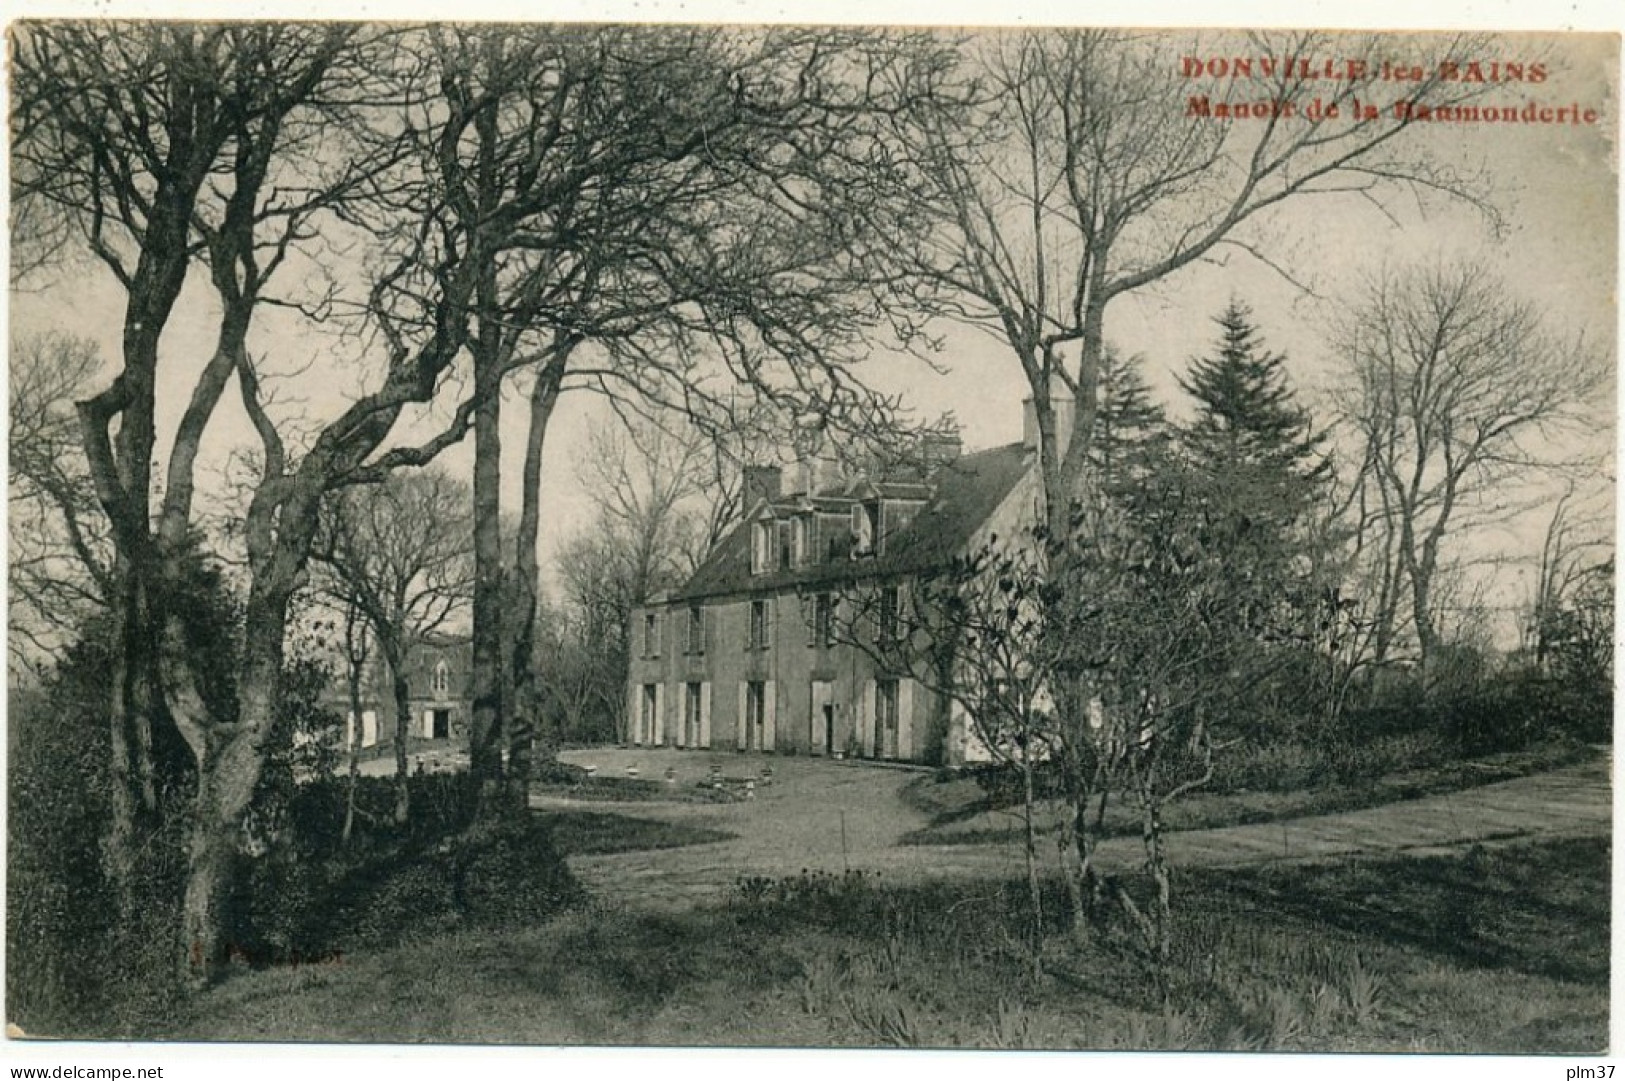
x=310, y=897
x=70, y=962
x=75, y=966
x=58, y=904
x=1251, y=439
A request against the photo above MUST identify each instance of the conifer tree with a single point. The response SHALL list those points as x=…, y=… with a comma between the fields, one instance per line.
x=1131, y=430
x=1253, y=448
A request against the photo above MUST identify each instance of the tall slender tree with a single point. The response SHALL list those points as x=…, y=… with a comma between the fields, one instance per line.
x=397, y=553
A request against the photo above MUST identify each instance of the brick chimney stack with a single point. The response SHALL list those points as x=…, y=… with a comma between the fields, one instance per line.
x=1064, y=412
x=760, y=482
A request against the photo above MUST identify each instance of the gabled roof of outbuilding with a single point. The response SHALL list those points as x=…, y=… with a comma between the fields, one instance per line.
x=962, y=495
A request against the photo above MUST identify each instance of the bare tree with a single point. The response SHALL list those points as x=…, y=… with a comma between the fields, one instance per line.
x=59, y=557
x=970, y=633
x=645, y=483
x=355, y=645
x=1569, y=632
x=694, y=237
x=1459, y=393
x=1075, y=168
x=397, y=552
x=174, y=146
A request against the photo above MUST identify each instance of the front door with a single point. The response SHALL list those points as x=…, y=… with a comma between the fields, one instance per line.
x=442, y=724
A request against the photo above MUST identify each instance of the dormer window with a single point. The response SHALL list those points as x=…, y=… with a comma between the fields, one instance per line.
x=866, y=528
x=799, y=540
x=763, y=546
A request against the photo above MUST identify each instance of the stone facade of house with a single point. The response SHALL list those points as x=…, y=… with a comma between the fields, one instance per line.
x=743, y=656
x=440, y=697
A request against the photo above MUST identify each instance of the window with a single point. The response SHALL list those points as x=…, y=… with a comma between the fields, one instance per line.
x=440, y=682
x=886, y=718
x=786, y=547
x=759, y=625
x=691, y=716
x=696, y=629
x=800, y=541
x=651, y=634
x=761, y=547
x=823, y=621
x=651, y=714
x=886, y=705
x=755, y=715
x=865, y=528
x=888, y=614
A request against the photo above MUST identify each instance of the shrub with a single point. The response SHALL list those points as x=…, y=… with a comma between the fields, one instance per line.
x=552, y=771
x=58, y=904
x=73, y=968
x=1005, y=787
x=311, y=896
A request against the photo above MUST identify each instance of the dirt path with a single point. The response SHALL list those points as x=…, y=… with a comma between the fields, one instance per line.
x=812, y=815
x=826, y=816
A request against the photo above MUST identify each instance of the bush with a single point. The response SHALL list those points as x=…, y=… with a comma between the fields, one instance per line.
x=72, y=967
x=1006, y=787
x=58, y=904
x=553, y=771
x=311, y=896
x=1344, y=758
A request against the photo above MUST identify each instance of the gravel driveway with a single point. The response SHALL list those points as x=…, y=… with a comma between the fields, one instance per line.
x=816, y=814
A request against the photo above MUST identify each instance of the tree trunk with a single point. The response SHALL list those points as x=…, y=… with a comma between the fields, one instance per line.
x=485, y=735
x=209, y=874
x=1427, y=636
x=353, y=678
x=226, y=787
x=1160, y=923
x=131, y=800
x=525, y=704
x=230, y=756
x=1035, y=891
x=393, y=651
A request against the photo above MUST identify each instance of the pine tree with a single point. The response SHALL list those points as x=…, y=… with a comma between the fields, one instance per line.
x=1131, y=430
x=1252, y=445
x=1256, y=471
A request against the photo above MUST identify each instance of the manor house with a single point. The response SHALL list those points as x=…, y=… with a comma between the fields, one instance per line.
x=745, y=655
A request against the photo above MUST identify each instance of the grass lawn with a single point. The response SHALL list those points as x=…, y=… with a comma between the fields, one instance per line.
x=962, y=813
x=1502, y=949
x=618, y=790
x=590, y=833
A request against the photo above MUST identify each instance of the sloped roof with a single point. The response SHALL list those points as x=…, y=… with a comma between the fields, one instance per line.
x=965, y=493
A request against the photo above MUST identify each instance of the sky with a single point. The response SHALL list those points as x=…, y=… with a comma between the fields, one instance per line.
x=1555, y=185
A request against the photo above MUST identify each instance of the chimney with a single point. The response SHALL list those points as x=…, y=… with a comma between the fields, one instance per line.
x=1064, y=411
x=760, y=482
x=941, y=448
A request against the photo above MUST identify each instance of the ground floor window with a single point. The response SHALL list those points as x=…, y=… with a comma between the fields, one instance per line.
x=886, y=718
x=651, y=713
x=755, y=715
x=691, y=715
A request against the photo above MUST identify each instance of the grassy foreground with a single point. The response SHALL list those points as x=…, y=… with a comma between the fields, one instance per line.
x=1491, y=950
